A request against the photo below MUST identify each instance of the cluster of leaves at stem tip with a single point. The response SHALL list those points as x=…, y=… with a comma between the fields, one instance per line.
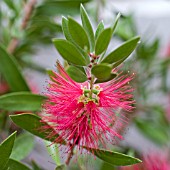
x=85, y=49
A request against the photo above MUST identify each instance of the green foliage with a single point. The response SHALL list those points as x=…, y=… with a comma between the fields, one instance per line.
x=102, y=71
x=99, y=29
x=35, y=127
x=114, y=158
x=116, y=22
x=23, y=145
x=103, y=40
x=122, y=52
x=75, y=50
x=66, y=29
x=11, y=71
x=76, y=74
x=87, y=26
x=78, y=34
x=111, y=76
x=69, y=52
x=21, y=101
x=106, y=166
x=5, y=150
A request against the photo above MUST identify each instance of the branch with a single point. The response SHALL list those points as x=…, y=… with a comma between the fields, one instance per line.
x=29, y=7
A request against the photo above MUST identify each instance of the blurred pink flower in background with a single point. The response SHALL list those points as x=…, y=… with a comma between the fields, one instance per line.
x=85, y=117
x=167, y=51
x=151, y=162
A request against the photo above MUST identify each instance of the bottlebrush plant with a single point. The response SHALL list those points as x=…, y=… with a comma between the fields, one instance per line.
x=86, y=102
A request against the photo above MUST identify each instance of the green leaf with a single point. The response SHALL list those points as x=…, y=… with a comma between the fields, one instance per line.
x=114, y=158
x=87, y=26
x=106, y=166
x=21, y=101
x=65, y=29
x=15, y=165
x=11, y=71
x=99, y=29
x=35, y=127
x=23, y=145
x=6, y=149
x=101, y=71
x=69, y=38
x=118, y=63
x=76, y=74
x=116, y=22
x=61, y=167
x=111, y=76
x=69, y=52
x=78, y=34
x=122, y=52
x=103, y=40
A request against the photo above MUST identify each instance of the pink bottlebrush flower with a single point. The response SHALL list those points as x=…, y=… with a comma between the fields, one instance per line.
x=85, y=117
x=151, y=162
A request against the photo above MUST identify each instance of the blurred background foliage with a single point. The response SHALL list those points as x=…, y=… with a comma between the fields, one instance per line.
x=151, y=117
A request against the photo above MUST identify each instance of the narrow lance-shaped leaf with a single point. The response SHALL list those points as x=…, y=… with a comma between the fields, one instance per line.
x=6, y=149
x=122, y=52
x=114, y=158
x=87, y=26
x=35, y=125
x=101, y=71
x=103, y=40
x=107, y=166
x=23, y=145
x=69, y=38
x=116, y=22
x=11, y=71
x=66, y=29
x=21, y=101
x=69, y=52
x=78, y=34
x=99, y=29
x=76, y=74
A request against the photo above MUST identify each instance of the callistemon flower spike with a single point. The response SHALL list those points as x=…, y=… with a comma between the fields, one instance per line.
x=87, y=114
